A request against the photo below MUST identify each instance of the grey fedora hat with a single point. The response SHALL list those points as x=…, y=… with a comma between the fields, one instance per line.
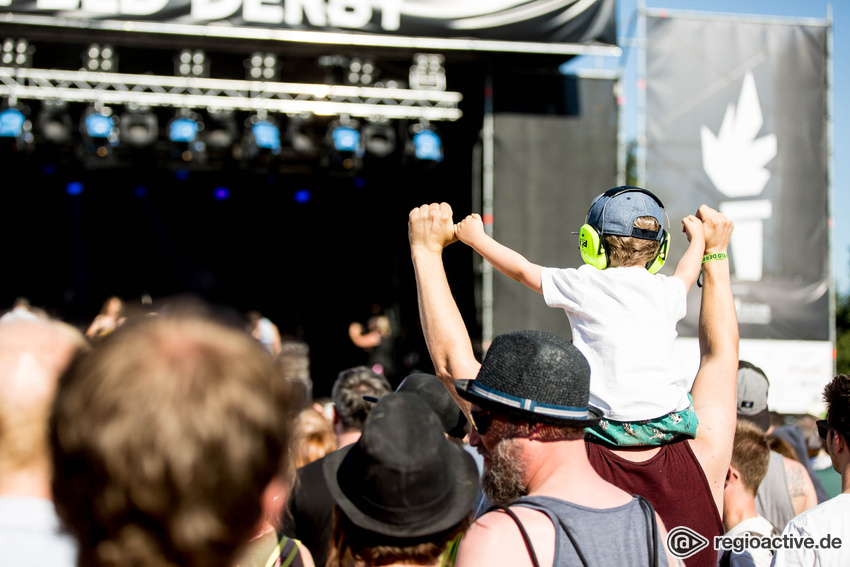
x=536, y=376
x=403, y=479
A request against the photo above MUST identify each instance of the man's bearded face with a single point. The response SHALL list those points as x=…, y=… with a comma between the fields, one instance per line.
x=502, y=480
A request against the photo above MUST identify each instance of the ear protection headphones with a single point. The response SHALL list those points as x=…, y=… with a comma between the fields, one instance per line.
x=591, y=242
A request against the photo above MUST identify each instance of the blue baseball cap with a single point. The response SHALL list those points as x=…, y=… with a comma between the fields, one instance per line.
x=615, y=211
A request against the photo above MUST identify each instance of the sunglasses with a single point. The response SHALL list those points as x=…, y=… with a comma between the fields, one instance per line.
x=482, y=420
x=824, y=428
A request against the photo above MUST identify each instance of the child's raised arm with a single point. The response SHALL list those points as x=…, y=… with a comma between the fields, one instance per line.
x=470, y=231
x=690, y=264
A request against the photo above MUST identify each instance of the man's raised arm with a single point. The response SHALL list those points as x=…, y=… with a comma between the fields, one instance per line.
x=430, y=229
x=714, y=388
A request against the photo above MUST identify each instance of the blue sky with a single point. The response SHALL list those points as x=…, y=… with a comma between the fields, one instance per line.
x=626, y=14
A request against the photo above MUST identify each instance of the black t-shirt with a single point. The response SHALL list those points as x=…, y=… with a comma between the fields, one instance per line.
x=309, y=512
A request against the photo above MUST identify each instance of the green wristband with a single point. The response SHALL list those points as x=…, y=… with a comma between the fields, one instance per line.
x=717, y=256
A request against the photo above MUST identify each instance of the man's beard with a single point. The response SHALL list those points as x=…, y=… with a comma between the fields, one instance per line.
x=502, y=480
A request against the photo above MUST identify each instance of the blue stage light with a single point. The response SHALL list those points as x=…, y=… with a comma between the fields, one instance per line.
x=221, y=193
x=266, y=135
x=182, y=130
x=12, y=123
x=302, y=196
x=98, y=125
x=74, y=188
x=428, y=146
x=346, y=139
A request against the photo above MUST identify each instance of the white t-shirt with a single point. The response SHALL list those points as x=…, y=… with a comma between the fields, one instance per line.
x=830, y=519
x=624, y=322
x=756, y=527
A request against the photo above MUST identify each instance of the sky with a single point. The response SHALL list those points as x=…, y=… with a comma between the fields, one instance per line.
x=626, y=30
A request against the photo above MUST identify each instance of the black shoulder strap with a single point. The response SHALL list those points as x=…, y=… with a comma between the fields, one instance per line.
x=522, y=531
x=652, y=530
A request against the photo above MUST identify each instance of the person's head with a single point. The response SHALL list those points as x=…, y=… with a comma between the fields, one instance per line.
x=752, y=395
x=33, y=354
x=750, y=456
x=166, y=440
x=113, y=306
x=402, y=492
x=312, y=438
x=835, y=429
x=630, y=223
x=429, y=388
x=534, y=386
x=350, y=409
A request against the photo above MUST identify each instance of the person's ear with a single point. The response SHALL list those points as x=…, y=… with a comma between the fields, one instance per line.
x=728, y=477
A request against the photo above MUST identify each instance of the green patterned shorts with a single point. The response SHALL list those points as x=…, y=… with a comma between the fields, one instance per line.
x=656, y=431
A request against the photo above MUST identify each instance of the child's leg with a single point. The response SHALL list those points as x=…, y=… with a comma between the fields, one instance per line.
x=656, y=431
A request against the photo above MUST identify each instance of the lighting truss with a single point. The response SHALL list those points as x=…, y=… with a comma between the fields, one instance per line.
x=226, y=94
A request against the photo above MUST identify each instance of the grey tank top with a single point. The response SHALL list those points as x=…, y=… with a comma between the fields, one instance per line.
x=773, y=501
x=614, y=536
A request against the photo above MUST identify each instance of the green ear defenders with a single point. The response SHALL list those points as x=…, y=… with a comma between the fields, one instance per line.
x=592, y=242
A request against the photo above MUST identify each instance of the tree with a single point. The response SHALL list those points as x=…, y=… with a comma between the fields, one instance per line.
x=842, y=333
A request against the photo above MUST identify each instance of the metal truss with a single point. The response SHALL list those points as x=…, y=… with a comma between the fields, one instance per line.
x=225, y=94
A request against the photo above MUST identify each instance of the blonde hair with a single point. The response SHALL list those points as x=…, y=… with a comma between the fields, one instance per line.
x=750, y=454
x=313, y=438
x=631, y=251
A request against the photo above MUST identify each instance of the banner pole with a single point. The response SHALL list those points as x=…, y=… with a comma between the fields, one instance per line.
x=487, y=158
x=830, y=190
x=640, y=152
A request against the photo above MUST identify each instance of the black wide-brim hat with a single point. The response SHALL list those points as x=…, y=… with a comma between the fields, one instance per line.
x=403, y=479
x=535, y=376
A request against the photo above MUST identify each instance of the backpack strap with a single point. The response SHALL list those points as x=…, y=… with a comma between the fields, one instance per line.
x=522, y=531
x=652, y=529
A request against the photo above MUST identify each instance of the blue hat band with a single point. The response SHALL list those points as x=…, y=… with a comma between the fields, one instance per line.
x=526, y=404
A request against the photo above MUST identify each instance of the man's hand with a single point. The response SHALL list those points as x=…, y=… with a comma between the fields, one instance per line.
x=430, y=228
x=718, y=229
x=469, y=229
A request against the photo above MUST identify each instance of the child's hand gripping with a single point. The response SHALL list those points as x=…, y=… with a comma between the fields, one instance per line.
x=470, y=229
x=689, y=265
x=693, y=229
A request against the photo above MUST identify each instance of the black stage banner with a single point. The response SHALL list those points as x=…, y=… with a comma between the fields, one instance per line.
x=737, y=119
x=541, y=21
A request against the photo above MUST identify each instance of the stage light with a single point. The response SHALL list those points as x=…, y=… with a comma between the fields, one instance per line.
x=12, y=123
x=345, y=144
x=262, y=67
x=54, y=122
x=346, y=139
x=427, y=72
x=425, y=143
x=299, y=134
x=16, y=53
x=261, y=138
x=184, y=136
x=100, y=58
x=139, y=127
x=221, y=193
x=99, y=130
x=266, y=135
x=191, y=63
x=379, y=138
x=302, y=196
x=220, y=130
x=74, y=188
x=361, y=72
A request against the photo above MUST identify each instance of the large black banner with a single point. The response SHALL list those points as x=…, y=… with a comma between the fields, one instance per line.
x=736, y=119
x=549, y=21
